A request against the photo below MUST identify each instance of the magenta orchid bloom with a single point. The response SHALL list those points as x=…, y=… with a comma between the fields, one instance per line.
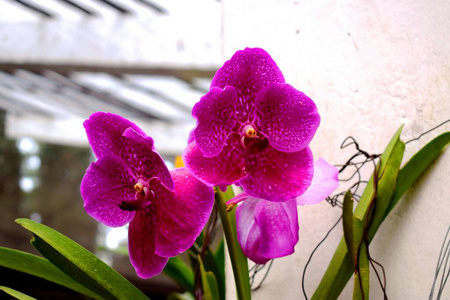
x=129, y=183
x=268, y=230
x=253, y=129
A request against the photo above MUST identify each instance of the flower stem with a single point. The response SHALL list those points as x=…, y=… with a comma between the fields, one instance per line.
x=237, y=258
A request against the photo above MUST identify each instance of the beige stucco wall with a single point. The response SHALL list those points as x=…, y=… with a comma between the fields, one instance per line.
x=370, y=66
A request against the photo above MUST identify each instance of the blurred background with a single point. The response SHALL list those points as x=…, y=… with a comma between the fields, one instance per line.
x=62, y=60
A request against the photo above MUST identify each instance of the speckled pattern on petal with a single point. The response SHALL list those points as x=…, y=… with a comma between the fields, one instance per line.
x=106, y=183
x=104, y=132
x=141, y=244
x=225, y=168
x=248, y=71
x=182, y=214
x=287, y=117
x=278, y=176
x=215, y=114
x=143, y=160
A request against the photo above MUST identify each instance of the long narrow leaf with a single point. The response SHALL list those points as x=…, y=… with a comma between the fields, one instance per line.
x=417, y=164
x=347, y=222
x=80, y=264
x=180, y=272
x=341, y=266
x=39, y=267
x=362, y=278
x=16, y=294
x=209, y=283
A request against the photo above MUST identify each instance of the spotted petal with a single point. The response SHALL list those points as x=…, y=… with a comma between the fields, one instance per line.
x=104, y=132
x=324, y=182
x=141, y=244
x=143, y=159
x=287, y=117
x=105, y=185
x=182, y=214
x=248, y=71
x=278, y=176
x=215, y=114
x=225, y=168
x=267, y=229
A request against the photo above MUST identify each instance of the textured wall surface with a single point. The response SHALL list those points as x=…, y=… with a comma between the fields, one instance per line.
x=370, y=66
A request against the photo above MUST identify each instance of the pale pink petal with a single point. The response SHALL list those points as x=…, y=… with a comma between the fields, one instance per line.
x=324, y=182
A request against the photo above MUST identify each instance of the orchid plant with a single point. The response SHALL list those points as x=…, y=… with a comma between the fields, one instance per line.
x=249, y=157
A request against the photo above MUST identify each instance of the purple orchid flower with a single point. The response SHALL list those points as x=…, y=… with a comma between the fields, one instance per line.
x=266, y=229
x=129, y=183
x=253, y=129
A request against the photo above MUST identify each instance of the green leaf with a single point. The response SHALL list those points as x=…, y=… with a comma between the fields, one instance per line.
x=238, y=259
x=219, y=257
x=209, y=283
x=178, y=296
x=392, y=184
x=180, y=272
x=341, y=265
x=79, y=263
x=218, y=268
x=389, y=162
x=362, y=277
x=16, y=294
x=347, y=222
x=39, y=267
x=416, y=165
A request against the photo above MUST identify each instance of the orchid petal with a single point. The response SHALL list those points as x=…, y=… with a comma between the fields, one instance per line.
x=104, y=132
x=278, y=176
x=286, y=116
x=266, y=229
x=141, y=243
x=215, y=114
x=248, y=71
x=248, y=232
x=278, y=223
x=225, y=168
x=140, y=155
x=324, y=182
x=105, y=185
x=182, y=214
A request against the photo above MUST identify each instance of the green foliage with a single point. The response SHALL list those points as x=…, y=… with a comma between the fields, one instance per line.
x=180, y=272
x=383, y=191
x=80, y=264
x=16, y=294
x=39, y=267
x=209, y=283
